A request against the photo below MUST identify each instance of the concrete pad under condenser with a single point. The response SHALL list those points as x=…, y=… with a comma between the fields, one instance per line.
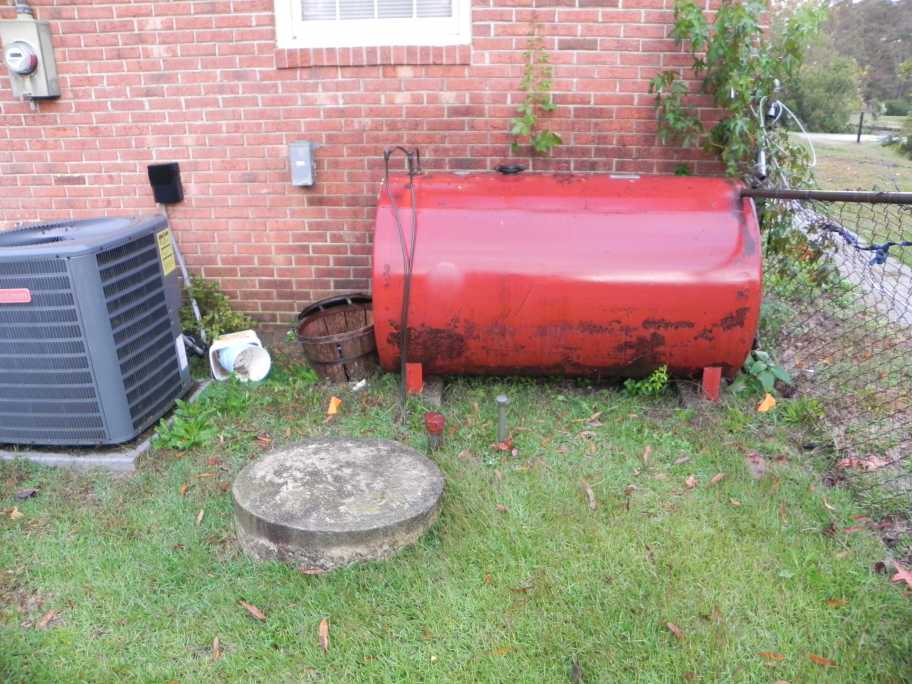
x=327, y=503
x=118, y=458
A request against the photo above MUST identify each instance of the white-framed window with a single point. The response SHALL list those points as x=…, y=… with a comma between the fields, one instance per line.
x=369, y=23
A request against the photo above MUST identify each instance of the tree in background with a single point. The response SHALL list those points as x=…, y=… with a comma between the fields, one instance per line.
x=877, y=34
x=826, y=91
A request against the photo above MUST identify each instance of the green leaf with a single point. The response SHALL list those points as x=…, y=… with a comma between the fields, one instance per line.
x=767, y=379
x=781, y=374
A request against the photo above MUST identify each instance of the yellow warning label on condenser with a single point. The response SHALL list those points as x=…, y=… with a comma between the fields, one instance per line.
x=166, y=251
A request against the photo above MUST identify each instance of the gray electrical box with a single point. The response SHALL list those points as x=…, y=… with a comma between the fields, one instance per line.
x=301, y=161
x=29, y=57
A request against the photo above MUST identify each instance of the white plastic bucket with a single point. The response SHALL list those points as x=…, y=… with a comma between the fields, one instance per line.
x=250, y=362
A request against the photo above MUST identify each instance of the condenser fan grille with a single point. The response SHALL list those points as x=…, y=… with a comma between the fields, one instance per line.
x=134, y=293
x=43, y=361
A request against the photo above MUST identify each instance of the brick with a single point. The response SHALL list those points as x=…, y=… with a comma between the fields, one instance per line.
x=202, y=83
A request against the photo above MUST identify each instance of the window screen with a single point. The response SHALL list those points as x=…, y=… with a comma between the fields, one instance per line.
x=329, y=10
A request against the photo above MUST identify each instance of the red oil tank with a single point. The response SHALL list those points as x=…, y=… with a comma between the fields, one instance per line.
x=589, y=275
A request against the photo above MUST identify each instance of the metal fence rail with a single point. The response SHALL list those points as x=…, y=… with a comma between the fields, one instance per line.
x=838, y=317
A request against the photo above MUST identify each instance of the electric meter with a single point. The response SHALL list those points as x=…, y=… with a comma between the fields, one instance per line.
x=28, y=55
x=20, y=58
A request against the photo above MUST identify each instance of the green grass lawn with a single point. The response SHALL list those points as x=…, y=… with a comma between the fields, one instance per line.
x=862, y=166
x=543, y=590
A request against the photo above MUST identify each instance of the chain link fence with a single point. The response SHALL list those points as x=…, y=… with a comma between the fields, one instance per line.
x=838, y=318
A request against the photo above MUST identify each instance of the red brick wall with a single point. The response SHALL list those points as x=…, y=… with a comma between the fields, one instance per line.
x=202, y=83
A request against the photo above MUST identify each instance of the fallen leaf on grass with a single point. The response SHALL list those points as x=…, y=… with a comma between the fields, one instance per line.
x=184, y=488
x=334, y=404
x=735, y=503
x=864, y=464
x=591, y=419
x=769, y=655
x=264, y=439
x=216, y=649
x=630, y=489
x=680, y=460
x=827, y=505
x=768, y=403
x=15, y=513
x=690, y=482
x=836, y=603
x=756, y=465
x=199, y=516
x=46, y=619
x=590, y=495
x=488, y=579
x=902, y=574
x=225, y=486
x=820, y=660
x=674, y=629
x=647, y=452
x=305, y=570
x=324, y=635
x=853, y=528
x=253, y=610
x=213, y=461
x=520, y=590
x=716, y=479
x=503, y=508
x=506, y=445
x=502, y=651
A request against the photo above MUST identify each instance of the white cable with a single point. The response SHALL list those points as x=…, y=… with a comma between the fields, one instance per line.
x=806, y=134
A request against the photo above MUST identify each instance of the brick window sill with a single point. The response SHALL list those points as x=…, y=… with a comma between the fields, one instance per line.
x=373, y=56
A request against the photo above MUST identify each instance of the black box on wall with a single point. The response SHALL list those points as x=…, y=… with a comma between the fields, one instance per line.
x=166, y=183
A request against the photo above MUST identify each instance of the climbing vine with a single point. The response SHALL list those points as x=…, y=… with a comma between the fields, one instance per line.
x=742, y=64
x=537, y=101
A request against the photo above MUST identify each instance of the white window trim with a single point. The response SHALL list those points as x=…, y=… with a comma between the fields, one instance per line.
x=293, y=32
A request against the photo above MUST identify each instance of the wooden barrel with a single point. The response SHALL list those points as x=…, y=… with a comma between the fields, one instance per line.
x=337, y=335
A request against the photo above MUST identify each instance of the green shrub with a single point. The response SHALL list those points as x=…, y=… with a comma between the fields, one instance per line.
x=759, y=374
x=190, y=426
x=218, y=317
x=652, y=385
x=903, y=141
x=825, y=92
x=901, y=107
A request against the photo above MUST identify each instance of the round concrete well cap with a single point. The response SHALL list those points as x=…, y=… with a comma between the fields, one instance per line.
x=326, y=503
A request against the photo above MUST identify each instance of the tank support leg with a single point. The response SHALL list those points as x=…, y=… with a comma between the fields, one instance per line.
x=712, y=382
x=414, y=378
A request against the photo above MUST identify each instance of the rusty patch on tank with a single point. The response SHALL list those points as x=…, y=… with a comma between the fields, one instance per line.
x=662, y=324
x=425, y=344
x=736, y=319
x=642, y=346
x=587, y=327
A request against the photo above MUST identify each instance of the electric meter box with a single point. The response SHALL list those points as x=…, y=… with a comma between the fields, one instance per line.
x=29, y=57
